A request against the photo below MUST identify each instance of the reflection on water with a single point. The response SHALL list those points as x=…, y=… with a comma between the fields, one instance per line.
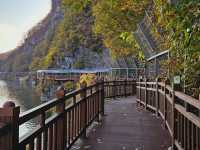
x=24, y=96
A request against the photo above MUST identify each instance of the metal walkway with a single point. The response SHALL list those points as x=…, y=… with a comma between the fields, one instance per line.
x=126, y=126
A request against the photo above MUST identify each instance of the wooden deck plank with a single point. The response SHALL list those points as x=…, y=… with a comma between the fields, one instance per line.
x=126, y=127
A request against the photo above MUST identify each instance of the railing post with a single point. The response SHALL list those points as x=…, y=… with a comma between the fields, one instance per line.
x=102, y=99
x=199, y=100
x=114, y=92
x=165, y=104
x=173, y=117
x=61, y=122
x=146, y=93
x=157, y=98
x=84, y=113
x=134, y=88
x=86, y=117
x=98, y=88
x=140, y=91
x=10, y=114
x=125, y=84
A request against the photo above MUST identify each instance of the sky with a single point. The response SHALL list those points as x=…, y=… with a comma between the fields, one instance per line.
x=17, y=17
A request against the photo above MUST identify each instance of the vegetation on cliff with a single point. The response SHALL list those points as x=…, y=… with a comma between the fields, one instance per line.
x=116, y=21
x=100, y=24
x=180, y=26
x=73, y=32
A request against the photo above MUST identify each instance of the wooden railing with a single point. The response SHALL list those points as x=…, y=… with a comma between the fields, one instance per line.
x=180, y=112
x=113, y=89
x=60, y=121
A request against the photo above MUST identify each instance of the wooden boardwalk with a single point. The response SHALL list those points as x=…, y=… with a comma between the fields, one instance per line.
x=126, y=126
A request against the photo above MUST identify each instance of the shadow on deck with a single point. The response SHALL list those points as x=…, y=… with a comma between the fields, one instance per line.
x=126, y=126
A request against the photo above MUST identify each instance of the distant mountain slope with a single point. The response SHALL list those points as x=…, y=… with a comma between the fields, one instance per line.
x=4, y=56
x=20, y=58
x=64, y=39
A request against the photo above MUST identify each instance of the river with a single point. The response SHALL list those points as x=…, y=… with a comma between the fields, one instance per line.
x=24, y=96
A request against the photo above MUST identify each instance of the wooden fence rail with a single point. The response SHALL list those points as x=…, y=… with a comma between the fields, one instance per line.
x=60, y=121
x=180, y=112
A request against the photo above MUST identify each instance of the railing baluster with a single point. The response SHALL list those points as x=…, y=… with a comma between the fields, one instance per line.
x=140, y=92
x=173, y=119
x=55, y=134
x=165, y=104
x=157, y=98
x=38, y=142
x=50, y=138
x=184, y=134
x=31, y=145
x=192, y=135
x=79, y=117
x=84, y=118
x=69, y=128
x=125, y=91
x=198, y=138
x=188, y=136
x=102, y=98
x=73, y=124
x=183, y=130
x=145, y=94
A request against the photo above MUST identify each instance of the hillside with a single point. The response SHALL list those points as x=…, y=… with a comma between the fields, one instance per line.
x=102, y=33
x=4, y=56
x=20, y=58
x=65, y=38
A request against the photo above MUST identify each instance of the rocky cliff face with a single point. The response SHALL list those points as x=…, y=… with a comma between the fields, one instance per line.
x=83, y=50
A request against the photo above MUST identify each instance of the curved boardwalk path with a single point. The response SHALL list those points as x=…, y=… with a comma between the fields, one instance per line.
x=126, y=126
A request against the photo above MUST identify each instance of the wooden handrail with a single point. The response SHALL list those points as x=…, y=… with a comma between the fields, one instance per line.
x=182, y=121
x=30, y=114
x=68, y=122
x=188, y=99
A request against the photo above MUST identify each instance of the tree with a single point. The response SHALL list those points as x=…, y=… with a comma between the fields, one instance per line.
x=116, y=21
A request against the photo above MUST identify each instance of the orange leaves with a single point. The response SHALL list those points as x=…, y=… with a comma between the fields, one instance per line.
x=116, y=20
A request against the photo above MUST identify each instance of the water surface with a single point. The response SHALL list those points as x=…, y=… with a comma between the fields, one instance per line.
x=22, y=95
